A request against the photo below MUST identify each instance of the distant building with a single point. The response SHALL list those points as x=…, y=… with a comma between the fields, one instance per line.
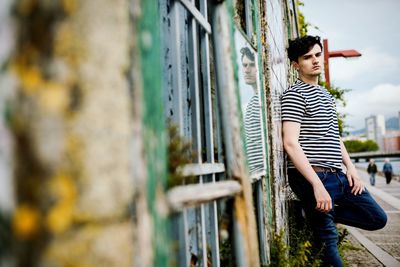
x=375, y=128
x=399, y=120
x=391, y=141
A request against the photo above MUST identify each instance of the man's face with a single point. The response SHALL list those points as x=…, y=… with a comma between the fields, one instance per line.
x=310, y=64
x=249, y=71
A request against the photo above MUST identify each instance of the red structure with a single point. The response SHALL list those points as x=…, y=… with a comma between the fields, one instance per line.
x=338, y=53
x=391, y=141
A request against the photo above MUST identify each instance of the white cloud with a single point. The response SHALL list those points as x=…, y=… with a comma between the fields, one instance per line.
x=382, y=99
x=373, y=62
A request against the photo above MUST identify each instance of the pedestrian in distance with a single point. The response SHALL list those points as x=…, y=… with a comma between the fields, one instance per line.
x=388, y=171
x=372, y=170
x=316, y=154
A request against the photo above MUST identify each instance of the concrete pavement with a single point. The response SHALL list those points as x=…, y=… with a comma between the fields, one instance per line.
x=383, y=244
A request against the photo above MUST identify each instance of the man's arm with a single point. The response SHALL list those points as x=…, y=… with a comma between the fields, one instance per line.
x=291, y=131
x=352, y=174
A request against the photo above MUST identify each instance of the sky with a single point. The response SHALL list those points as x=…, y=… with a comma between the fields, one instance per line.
x=372, y=28
x=369, y=26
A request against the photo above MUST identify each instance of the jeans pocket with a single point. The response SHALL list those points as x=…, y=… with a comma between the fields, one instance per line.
x=322, y=176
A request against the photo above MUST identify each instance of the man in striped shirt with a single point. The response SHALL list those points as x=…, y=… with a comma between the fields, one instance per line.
x=316, y=154
x=252, y=119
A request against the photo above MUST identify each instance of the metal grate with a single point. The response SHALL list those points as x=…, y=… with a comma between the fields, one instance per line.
x=192, y=109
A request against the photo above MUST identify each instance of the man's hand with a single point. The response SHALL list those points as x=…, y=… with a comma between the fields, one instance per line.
x=354, y=181
x=352, y=175
x=324, y=201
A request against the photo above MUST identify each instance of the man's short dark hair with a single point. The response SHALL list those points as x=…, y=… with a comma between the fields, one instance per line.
x=301, y=46
x=245, y=51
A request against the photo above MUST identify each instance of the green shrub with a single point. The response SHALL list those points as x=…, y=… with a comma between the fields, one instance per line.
x=354, y=146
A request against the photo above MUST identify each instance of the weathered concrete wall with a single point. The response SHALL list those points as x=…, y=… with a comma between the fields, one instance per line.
x=71, y=120
x=275, y=70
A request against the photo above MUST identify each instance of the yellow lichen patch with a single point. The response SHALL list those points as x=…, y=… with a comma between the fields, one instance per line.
x=63, y=187
x=60, y=216
x=93, y=246
x=30, y=78
x=28, y=73
x=67, y=45
x=25, y=221
x=74, y=149
x=69, y=6
x=54, y=97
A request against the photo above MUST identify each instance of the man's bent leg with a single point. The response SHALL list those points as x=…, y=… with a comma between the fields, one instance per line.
x=360, y=211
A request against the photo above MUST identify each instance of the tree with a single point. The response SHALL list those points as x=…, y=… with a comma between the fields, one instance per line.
x=303, y=24
x=338, y=93
x=354, y=146
x=370, y=145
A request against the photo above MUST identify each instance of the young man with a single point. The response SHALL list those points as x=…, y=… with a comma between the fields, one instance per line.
x=316, y=153
x=252, y=119
x=249, y=68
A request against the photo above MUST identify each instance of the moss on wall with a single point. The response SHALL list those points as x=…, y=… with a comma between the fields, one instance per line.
x=71, y=124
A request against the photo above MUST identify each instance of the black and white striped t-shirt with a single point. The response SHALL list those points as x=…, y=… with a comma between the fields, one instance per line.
x=253, y=131
x=314, y=108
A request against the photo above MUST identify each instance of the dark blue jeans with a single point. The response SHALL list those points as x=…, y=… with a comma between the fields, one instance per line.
x=360, y=211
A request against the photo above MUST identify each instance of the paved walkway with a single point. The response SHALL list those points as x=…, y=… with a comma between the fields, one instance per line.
x=384, y=244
